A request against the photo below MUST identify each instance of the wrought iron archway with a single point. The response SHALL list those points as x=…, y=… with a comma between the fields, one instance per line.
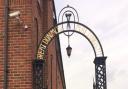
x=75, y=26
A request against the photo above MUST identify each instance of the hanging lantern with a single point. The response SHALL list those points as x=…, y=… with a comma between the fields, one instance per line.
x=69, y=50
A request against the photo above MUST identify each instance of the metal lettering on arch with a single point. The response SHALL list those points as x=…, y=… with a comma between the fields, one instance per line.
x=79, y=28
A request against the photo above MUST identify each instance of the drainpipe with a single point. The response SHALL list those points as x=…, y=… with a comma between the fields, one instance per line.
x=6, y=16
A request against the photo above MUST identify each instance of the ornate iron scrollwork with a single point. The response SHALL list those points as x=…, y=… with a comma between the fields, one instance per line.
x=70, y=25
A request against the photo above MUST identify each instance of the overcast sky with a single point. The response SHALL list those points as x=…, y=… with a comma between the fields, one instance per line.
x=109, y=20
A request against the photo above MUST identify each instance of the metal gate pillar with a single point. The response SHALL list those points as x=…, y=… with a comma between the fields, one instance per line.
x=38, y=74
x=100, y=72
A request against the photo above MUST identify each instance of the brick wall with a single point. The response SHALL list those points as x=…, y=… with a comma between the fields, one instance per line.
x=1, y=43
x=22, y=44
x=19, y=46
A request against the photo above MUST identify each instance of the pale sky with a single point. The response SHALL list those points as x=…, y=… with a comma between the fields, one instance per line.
x=109, y=20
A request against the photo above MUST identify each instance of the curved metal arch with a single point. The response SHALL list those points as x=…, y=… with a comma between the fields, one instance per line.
x=43, y=46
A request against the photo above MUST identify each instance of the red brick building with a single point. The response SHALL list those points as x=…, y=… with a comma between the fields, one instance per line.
x=19, y=39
